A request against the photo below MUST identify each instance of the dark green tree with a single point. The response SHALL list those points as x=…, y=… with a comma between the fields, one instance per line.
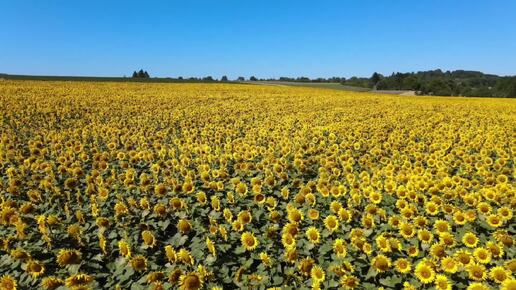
x=375, y=79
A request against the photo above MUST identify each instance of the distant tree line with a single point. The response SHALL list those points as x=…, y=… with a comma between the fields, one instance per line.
x=433, y=82
x=449, y=83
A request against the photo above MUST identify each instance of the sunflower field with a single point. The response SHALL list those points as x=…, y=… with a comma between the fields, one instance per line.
x=227, y=186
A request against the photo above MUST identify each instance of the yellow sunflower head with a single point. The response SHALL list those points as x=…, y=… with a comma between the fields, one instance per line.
x=249, y=241
x=424, y=272
x=313, y=235
x=403, y=265
x=317, y=274
x=381, y=263
x=8, y=283
x=442, y=282
x=139, y=263
x=35, y=268
x=51, y=282
x=68, y=257
x=331, y=222
x=190, y=281
x=499, y=274
x=79, y=280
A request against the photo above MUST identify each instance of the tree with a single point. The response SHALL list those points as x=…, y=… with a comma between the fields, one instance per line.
x=224, y=79
x=375, y=79
x=253, y=78
x=146, y=75
x=240, y=79
x=135, y=74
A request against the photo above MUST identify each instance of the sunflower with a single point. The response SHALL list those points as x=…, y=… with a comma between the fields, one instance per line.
x=8, y=283
x=482, y=255
x=68, y=257
x=245, y=217
x=464, y=257
x=313, y=235
x=184, y=226
x=228, y=215
x=344, y=215
x=449, y=265
x=313, y=214
x=407, y=230
x=190, y=281
x=124, y=248
x=184, y=256
x=291, y=228
x=424, y=272
x=211, y=247
x=20, y=254
x=367, y=248
x=505, y=213
x=174, y=276
x=402, y=265
x=331, y=222
x=499, y=274
x=241, y=189
x=459, y=218
x=477, y=286
x=383, y=243
x=51, y=282
x=431, y=208
x=494, y=220
x=79, y=280
x=139, y=263
x=349, y=282
x=288, y=240
x=412, y=251
x=155, y=276
x=442, y=282
x=476, y=271
x=294, y=215
x=425, y=236
x=266, y=259
x=306, y=265
x=508, y=284
x=381, y=263
x=375, y=197
x=408, y=286
x=35, y=268
x=484, y=208
x=339, y=248
x=291, y=255
x=317, y=274
x=470, y=240
x=171, y=254
x=442, y=226
x=249, y=241
x=447, y=239
x=495, y=248
x=437, y=250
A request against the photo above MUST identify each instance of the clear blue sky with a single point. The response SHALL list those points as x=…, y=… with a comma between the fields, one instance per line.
x=265, y=38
